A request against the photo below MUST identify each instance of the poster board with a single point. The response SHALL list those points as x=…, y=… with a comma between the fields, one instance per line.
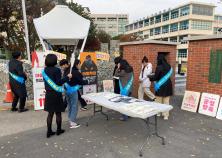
x=190, y=101
x=89, y=89
x=89, y=72
x=108, y=86
x=102, y=56
x=209, y=104
x=38, y=63
x=219, y=111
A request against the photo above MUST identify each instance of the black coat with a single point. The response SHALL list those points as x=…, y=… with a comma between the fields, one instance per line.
x=166, y=89
x=16, y=68
x=53, y=99
x=77, y=77
x=116, y=82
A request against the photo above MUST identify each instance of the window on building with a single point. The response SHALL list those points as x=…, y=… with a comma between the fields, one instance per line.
x=158, y=19
x=174, y=27
x=123, y=19
x=164, y=39
x=146, y=36
x=165, y=16
x=157, y=30
x=218, y=18
x=173, y=39
x=165, y=29
x=201, y=25
x=152, y=21
x=112, y=19
x=146, y=22
x=185, y=11
x=127, y=28
x=202, y=10
x=151, y=32
x=136, y=25
x=181, y=39
x=101, y=19
x=184, y=25
x=174, y=14
x=131, y=27
x=111, y=26
x=182, y=53
x=140, y=24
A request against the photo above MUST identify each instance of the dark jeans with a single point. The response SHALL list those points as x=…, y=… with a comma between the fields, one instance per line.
x=81, y=100
x=22, y=101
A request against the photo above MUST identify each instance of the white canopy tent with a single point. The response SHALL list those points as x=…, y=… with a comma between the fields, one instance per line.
x=62, y=26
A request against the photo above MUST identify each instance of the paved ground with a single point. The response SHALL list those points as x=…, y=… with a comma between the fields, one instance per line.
x=188, y=135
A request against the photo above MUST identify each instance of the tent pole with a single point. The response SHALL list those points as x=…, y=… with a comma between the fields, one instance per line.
x=83, y=45
x=43, y=45
x=73, y=56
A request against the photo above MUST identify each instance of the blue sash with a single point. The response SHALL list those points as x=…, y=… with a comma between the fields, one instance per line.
x=163, y=80
x=57, y=88
x=17, y=78
x=125, y=91
x=52, y=84
x=70, y=89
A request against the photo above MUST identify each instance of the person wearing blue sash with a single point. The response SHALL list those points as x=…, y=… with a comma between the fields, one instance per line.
x=17, y=78
x=116, y=79
x=64, y=64
x=125, y=74
x=53, y=97
x=163, y=85
x=72, y=88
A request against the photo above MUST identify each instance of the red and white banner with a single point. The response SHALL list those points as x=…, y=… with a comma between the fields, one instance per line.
x=38, y=64
x=209, y=104
x=190, y=101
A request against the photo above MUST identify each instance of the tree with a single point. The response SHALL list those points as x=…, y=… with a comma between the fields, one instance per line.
x=103, y=36
x=92, y=42
x=128, y=38
x=12, y=26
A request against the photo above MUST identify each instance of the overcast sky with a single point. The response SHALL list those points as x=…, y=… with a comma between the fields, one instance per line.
x=137, y=8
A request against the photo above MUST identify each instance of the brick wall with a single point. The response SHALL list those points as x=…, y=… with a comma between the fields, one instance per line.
x=135, y=53
x=198, y=66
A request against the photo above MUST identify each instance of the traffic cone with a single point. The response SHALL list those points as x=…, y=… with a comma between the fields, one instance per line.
x=9, y=94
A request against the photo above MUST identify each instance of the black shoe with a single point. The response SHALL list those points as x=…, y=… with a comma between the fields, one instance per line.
x=60, y=131
x=154, y=99
x=14, y=109
x=49, y=134
x=22, y=110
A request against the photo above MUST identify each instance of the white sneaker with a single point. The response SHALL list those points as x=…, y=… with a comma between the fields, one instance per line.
x=74, y=125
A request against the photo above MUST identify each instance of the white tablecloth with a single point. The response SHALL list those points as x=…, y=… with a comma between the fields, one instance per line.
x=135, y=108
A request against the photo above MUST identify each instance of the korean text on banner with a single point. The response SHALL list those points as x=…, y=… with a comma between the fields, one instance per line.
x=190, y=101
x=209, y=104
x=38, y=63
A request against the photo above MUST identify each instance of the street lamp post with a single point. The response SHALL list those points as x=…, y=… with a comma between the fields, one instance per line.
x=26, y=30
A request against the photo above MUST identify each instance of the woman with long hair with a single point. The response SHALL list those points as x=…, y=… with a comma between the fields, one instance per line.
x=125, y=74
x=163, y=85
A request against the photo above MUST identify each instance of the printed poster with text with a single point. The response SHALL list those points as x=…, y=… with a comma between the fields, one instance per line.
x=89, y=67
x=209, y=104
x=219, y=111
x=89, y=89
x=190, y=101
x=108, y=86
